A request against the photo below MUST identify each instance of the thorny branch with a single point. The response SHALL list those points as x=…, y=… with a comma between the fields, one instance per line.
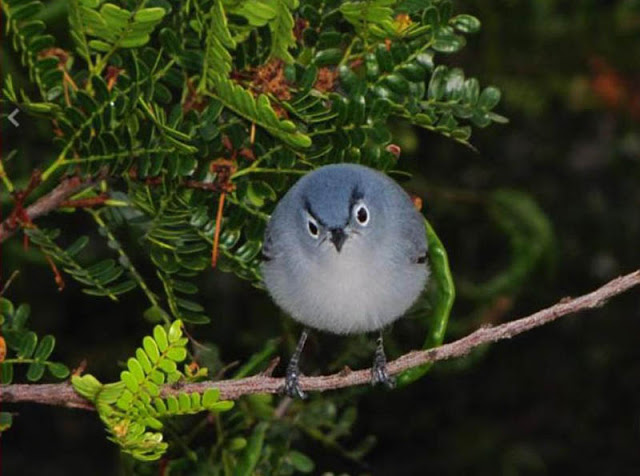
x=44, y=205
x=62, y=394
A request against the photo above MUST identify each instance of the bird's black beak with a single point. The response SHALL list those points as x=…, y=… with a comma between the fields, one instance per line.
x=338, y=237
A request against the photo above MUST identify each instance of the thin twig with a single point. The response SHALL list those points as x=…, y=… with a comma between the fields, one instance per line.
x=62, y=394
x=46, y=203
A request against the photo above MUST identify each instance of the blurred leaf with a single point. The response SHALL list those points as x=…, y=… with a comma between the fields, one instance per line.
x=6, y=420
x=530, y=237
x=251, y=454
x=435, y=306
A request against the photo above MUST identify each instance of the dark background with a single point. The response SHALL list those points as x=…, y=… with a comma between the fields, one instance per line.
x=558, y=400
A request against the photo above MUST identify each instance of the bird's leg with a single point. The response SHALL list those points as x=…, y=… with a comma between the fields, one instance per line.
x=291, y=385
x=379, y=372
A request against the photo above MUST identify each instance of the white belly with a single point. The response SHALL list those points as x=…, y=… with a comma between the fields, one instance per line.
x=347, y=293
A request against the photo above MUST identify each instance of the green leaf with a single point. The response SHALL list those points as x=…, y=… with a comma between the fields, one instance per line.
x=26, y=10
x=27, y=345
x=6, y=420
x=35, y=371
x=175, y=331
x=251, y=454
x=78, y=246
x=327, y=57
x=465, y=23
x=259, y=192
x=177, y=354
x=6, y=307
x=86, y=385
x=437, y=83
x=20, y=317
x=129, y=380
x=281, y=27
x=6, y=372
x=242, y=102
x=210, y=396
x=44, y=349
x=160, y=337
x=155, y=314
x=447, y=42
x=217, y=59
x=237, y=444
x=113, y=26
x=301, y=462
x=169, y=366
x=136, y=369
x=489, y=98
x=151, y=348
x=58, y=370
x=435, y=306
x=222, y=406
x=149, y=15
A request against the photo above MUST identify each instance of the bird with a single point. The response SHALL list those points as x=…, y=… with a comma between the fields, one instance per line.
x=345, y=252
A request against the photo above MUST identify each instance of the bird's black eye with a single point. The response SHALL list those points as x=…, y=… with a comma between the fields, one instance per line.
x=313, y=229
x=362, y=214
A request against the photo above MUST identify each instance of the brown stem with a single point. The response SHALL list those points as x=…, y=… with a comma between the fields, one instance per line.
x=62, y=394
x=46, y=203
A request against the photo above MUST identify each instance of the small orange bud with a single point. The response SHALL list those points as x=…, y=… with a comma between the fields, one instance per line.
x=3, y=349
x=192, y=368
x=402, y=22
x=417, y=202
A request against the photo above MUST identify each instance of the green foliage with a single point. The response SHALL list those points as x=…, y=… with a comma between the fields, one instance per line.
x=113, y=26
x=258, y=111
x=100, y=279
x=191, y=82
x=281, y=28
x=131, y=408
x=21, y=346
x=177, y=110
x=29, y=38
x=531, y=240
x=435, y=305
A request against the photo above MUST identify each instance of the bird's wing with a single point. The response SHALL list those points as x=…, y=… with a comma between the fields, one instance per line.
x=422, y=257
x=268, y=251
x=418, y=246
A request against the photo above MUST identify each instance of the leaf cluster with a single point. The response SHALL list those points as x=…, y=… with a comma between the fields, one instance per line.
x=21, y=346
x=132, y=407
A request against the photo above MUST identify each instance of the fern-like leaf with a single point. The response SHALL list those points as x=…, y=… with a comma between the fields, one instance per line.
x=131, y=408
x=101, y=278
x=281, y=27
x=217, y=58
x=259, y=111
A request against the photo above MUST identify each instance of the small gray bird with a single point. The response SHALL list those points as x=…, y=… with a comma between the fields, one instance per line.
x=345, y=251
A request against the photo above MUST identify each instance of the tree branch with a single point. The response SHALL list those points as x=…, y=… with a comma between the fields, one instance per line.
x=45, y=204
x=62, y=394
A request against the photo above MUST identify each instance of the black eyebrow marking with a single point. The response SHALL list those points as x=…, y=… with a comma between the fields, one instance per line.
x=307, y=207
x=356, y=196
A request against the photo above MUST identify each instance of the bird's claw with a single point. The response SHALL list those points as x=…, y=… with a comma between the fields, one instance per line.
x=379, y=373
x=291, y=386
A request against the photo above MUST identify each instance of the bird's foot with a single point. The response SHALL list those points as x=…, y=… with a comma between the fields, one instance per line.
x=291, y=386
x=379, y=373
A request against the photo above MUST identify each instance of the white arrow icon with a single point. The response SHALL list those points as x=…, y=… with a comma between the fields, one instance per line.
x=12, y=117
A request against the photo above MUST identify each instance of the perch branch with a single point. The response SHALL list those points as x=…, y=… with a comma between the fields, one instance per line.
x=62, y=394
x=46, y=203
